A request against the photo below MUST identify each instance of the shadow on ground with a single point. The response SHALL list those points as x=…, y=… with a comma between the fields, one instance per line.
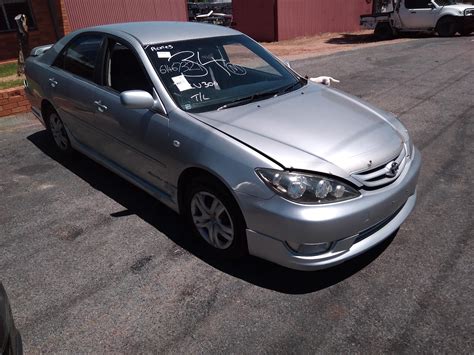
x=254, y=270
x=351, y=38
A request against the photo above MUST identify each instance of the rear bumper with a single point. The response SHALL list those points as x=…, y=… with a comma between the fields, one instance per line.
x=31, y=98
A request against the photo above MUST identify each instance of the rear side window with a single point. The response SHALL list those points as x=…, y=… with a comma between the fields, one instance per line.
x=417, y=4
x=80, y=56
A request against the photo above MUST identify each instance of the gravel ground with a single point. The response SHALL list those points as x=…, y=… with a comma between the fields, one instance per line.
x=330, y=43
x=93, y=264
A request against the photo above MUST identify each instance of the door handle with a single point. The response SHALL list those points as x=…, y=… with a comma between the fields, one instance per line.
x=53, y=82
x=100, y=107
x=413, y=12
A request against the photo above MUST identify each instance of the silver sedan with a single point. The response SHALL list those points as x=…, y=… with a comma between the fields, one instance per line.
x=255, y=157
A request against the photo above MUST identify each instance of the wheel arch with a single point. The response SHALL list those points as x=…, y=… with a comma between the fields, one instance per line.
x=456, y=20
x=46, y=108
x=191, y=173
x=446, y=17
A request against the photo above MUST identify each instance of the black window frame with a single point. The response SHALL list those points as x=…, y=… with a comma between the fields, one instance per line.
x=31, y=22
x=419, y=1
x=98, y=60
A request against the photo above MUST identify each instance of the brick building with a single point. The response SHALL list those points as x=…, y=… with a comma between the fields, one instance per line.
x=40, y=21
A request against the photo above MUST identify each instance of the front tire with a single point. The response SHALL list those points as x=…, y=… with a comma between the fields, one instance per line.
x=215, y=218
x=383, y=31
x=446, y=27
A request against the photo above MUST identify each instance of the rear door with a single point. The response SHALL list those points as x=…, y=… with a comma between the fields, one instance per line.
x=135, y=139
x=72, y=82
x=418, y=14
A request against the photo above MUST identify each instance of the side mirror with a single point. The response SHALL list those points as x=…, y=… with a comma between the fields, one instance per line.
x=430, y=5
x=137, y=99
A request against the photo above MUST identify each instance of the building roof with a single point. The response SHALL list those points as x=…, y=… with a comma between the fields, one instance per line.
x=162, y=31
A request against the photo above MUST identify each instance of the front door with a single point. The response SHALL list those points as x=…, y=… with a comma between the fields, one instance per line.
x=134, y=139
x=418, y=14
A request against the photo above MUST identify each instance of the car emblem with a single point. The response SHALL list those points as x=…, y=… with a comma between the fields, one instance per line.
x=392, y=169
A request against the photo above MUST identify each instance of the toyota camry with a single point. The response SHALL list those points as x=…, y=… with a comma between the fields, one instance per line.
x=257, y=158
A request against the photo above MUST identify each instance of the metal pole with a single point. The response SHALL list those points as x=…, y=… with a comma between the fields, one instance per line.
x=23, y=43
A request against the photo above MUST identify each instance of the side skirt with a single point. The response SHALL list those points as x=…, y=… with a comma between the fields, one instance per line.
x=152, y=190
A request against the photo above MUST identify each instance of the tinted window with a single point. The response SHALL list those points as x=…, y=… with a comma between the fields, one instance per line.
x=124, y=70
x=417, y=4
x=80, y=56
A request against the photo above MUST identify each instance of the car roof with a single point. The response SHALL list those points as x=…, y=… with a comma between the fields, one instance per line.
x=164, y=31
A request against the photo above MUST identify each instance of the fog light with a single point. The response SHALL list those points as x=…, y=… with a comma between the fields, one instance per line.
x=309, y=248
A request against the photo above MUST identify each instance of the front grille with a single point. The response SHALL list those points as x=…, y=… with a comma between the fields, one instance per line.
x=371, y=230
x=380, y=175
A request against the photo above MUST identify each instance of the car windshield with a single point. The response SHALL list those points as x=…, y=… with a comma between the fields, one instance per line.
x=446, y=2
x=214, y=73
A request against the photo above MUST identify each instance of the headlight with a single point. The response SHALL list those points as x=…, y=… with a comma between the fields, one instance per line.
x=469, y=12
x=307, y=188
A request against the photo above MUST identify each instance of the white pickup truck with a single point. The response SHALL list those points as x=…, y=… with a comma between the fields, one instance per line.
x=447, y=17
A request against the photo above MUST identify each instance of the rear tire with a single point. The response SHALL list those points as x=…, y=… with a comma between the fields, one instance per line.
x=215, y=218
x=446, y=27
x=383, y=31
x=58, y=133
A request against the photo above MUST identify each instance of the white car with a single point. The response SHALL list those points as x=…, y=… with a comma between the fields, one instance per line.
x=446, y=17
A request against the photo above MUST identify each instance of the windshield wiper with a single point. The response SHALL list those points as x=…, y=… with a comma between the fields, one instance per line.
x=248, y=99
x=258, y=96
x=301, y=81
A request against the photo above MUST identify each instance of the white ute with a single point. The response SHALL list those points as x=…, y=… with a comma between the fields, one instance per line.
x=446, y=17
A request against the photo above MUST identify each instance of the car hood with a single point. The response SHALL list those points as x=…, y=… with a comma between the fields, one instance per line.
x=315, y=128
x=460, y=7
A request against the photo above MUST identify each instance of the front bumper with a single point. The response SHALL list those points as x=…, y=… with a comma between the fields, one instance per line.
x=352, y=226
x=468, y=24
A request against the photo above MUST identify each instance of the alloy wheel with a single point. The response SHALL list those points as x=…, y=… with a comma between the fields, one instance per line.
x=212, y=220
x=58, y=131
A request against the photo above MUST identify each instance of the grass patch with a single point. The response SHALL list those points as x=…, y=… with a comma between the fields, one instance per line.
x=11, y=84
x=7, y=69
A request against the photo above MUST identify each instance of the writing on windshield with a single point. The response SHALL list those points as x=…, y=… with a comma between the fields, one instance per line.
x=195, y=65
x=204, y=74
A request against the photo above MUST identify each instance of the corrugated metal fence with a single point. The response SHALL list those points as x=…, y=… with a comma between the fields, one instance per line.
x=86, y=13
x=298, y=18
x=256, y=18
x=274, y=20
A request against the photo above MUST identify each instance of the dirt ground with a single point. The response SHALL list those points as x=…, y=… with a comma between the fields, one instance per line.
x=327, y=43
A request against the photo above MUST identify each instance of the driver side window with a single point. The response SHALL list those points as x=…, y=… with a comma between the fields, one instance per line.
x=124, y=71
x=418, y=4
